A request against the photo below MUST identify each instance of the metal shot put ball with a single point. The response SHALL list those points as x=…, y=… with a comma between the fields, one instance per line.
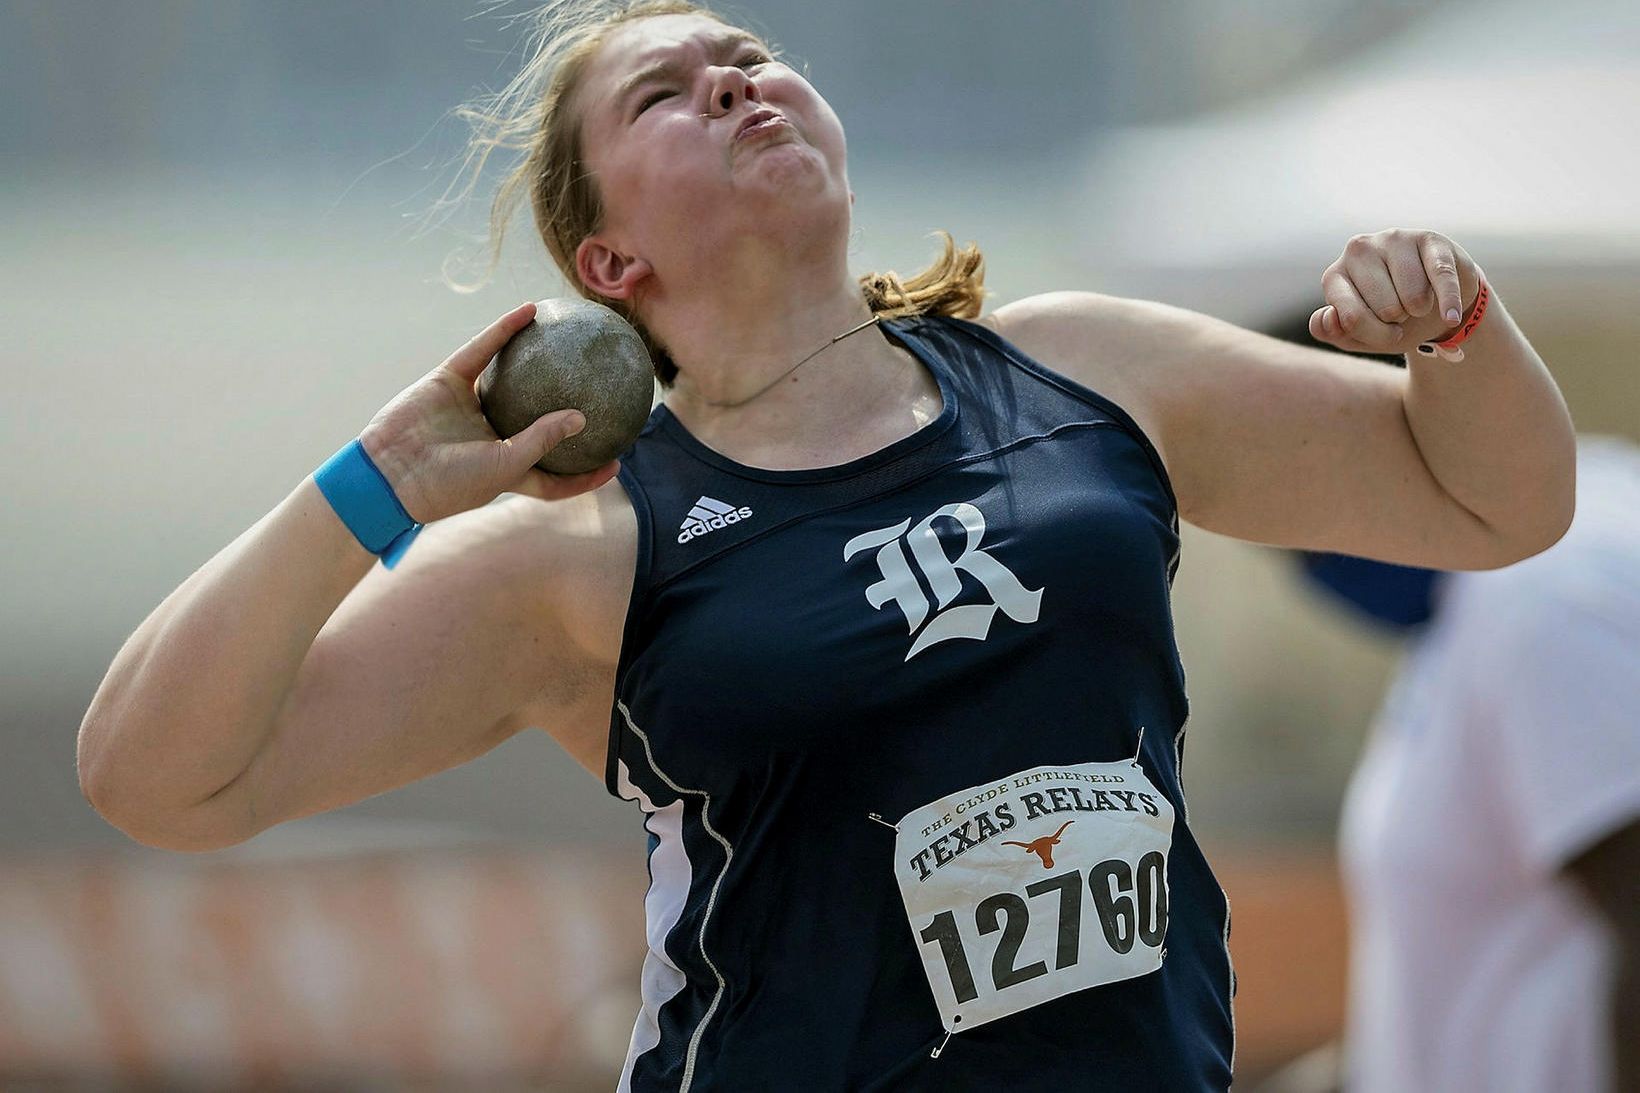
x=575, y=354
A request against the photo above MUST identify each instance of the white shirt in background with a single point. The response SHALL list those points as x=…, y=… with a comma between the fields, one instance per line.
x=1508, y=744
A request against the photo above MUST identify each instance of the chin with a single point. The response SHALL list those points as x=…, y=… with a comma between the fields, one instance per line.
x=787, y=168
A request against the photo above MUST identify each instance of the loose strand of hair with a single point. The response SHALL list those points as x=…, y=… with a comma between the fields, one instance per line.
x=562, y=36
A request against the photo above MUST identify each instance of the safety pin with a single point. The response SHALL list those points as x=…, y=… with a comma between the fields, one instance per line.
x=1139, y=747
x=879, y=819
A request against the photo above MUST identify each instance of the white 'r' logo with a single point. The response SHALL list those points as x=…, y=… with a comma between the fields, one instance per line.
x=899, y=583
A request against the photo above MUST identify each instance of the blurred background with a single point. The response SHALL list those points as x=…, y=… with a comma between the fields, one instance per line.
x=226, y=231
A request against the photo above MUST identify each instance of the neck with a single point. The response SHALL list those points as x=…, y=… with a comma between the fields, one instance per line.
x=733, y=342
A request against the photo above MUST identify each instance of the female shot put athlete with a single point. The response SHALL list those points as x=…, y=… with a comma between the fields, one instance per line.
x=872, y=621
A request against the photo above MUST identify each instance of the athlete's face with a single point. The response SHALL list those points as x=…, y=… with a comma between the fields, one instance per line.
x=663, y=105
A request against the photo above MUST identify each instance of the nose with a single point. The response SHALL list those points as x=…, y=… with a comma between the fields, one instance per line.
x=728, y=85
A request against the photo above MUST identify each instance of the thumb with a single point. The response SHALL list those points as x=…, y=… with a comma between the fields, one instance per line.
x=1319, y=329
x=542, y=435
x=553, y=429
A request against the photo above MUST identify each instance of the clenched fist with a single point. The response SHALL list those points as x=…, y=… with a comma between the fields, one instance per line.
x=1392, y=289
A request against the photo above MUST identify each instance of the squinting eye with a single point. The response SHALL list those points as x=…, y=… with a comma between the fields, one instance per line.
x=751, y=61
x=652, y=100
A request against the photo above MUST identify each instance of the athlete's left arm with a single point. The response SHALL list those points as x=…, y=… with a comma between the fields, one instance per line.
x=1466, y=465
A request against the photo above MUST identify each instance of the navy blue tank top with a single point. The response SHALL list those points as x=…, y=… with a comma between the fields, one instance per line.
x=811, y=656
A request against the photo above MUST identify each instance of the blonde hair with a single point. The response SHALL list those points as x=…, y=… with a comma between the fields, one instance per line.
x=532, y=114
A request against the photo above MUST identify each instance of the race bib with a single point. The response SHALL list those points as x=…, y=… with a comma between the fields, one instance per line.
x=1035, y=885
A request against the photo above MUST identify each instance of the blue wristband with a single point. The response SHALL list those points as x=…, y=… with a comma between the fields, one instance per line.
x=366, y=503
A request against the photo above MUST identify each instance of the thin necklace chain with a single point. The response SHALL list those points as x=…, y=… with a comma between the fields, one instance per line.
x=869, y=322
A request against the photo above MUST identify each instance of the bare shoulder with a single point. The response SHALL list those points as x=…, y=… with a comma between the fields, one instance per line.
x=585, y=546
x=1098, y=340
x=580, y=555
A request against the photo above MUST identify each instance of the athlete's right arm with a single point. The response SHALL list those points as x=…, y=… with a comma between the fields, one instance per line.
x=287, y=675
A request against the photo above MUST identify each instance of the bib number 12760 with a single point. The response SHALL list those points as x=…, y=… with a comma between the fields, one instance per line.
x=1035, y=885
x=1129, y=903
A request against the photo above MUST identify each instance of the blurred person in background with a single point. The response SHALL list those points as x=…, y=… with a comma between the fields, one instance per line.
x=946, y=595
x=1490, y=835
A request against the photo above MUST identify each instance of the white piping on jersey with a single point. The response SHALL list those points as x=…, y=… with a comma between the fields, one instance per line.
x=669, y=870
x=711, y=900
x=1178, y=768
x=1230, y=995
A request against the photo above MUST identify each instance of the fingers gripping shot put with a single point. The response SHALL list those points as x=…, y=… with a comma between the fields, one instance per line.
x=576, y=353
x=432, y=453
x=906, y=732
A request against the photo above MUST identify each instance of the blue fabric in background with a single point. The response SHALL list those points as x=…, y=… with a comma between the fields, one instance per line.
x=1395, y=596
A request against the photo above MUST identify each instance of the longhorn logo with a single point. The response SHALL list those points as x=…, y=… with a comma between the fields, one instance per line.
x=1043, y=847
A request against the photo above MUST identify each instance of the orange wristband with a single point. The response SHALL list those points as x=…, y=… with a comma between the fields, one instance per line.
x=1448, y=350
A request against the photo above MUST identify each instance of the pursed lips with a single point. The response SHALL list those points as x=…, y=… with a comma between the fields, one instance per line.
x=760, y=120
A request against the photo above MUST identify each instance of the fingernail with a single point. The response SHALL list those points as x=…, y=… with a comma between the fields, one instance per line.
x=577, y=421
x=1452, y=315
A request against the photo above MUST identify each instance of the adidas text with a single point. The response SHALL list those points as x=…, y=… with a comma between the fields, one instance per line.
x=710, y=514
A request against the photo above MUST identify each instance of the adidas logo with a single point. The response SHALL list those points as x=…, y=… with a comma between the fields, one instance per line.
x=709, y=514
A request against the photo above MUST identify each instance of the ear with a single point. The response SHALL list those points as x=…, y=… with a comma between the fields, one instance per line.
x=607, y=271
